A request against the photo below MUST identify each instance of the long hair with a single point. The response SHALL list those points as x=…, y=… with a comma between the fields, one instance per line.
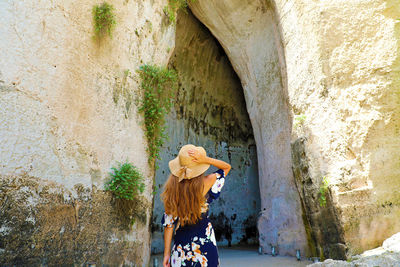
x=184, y=199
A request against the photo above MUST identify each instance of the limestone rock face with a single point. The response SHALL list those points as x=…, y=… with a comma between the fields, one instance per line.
x=331, y=69
x=42, y=222
x=387, y=259
x=392, y=243
x=64, y=122
x=342, y=68
x=322, y=223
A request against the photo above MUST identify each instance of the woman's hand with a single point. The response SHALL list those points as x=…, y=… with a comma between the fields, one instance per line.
x=201, y=158
x=166, y=261
x=197, y=156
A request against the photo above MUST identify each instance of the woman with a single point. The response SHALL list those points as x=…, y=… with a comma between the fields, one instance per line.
x=186, y=196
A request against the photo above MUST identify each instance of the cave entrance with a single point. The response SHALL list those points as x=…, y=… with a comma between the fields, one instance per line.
x=210, y=110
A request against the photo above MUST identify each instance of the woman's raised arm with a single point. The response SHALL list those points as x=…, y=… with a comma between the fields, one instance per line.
x=198, y=157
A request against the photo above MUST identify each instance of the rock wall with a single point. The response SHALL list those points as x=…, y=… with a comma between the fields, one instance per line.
x=337, y=65
x=386, y=255
x=43, y=223
x=65, y=119
x=325, y=233
x=346, y=85
x=210, y=111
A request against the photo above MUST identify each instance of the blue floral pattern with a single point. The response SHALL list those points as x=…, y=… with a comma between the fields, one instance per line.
x=195, y=245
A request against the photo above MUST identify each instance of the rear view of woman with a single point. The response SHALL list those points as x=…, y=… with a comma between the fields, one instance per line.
x=186, y=196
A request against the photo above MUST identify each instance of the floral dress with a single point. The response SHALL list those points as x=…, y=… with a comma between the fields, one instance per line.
x=195, y=245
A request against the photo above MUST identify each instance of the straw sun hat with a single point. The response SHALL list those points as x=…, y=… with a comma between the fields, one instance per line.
x=183, y=165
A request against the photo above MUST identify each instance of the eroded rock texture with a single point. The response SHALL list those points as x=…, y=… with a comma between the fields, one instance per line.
x=321, y=217
x=210, y=111
x=387, y=255
x=67, y=115
x=42, y=223
x=346, y=85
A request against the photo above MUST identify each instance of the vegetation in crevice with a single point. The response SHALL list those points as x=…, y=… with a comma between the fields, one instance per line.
x=126, y=185
x=323, y=190
x=173, y=6
x=103, y=19
x=325, y=233
x=159, y=86
x=299, y=120
x=126, y=181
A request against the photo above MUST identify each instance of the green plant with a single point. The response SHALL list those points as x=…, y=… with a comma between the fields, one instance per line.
x=104, y=19
x=126, y=182
x=173, y=6
x=159, y=86
x=323, y=190
x=299, y=120
x=155, y=190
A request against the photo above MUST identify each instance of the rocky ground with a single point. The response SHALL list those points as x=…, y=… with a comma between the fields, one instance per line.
x=388, y=255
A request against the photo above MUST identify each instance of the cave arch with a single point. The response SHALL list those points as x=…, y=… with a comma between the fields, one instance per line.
x=210, y=111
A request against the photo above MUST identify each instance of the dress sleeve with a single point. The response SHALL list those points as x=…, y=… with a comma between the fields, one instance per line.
x=168, y=220
x=215, y=190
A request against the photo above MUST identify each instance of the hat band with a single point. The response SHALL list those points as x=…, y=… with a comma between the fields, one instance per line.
x=184, y=172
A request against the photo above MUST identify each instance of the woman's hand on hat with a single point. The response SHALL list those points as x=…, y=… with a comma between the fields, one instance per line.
x=197, y=156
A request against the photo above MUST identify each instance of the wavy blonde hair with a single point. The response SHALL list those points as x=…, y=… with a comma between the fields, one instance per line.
x=184, y=199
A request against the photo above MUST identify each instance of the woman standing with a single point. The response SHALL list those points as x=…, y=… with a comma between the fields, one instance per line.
x=186, y=196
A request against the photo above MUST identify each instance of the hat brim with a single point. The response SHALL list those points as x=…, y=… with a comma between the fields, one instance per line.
x=175, y=166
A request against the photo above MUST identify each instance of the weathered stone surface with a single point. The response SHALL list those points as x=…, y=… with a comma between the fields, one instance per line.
x=336, y=64
x=387, y=255
x=392, y=243
x=210, y=111
x=387, y=259
x=65, y=118
x=345, y=85
x=322, y=223
x=45, y=223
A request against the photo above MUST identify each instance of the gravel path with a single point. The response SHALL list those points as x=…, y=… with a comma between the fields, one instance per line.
x=235, y=257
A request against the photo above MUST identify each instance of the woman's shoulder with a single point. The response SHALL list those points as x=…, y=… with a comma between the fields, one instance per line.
x=210, y=177
x=209, y=180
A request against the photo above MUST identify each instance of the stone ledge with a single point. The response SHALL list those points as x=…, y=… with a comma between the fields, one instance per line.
x=387, y=255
